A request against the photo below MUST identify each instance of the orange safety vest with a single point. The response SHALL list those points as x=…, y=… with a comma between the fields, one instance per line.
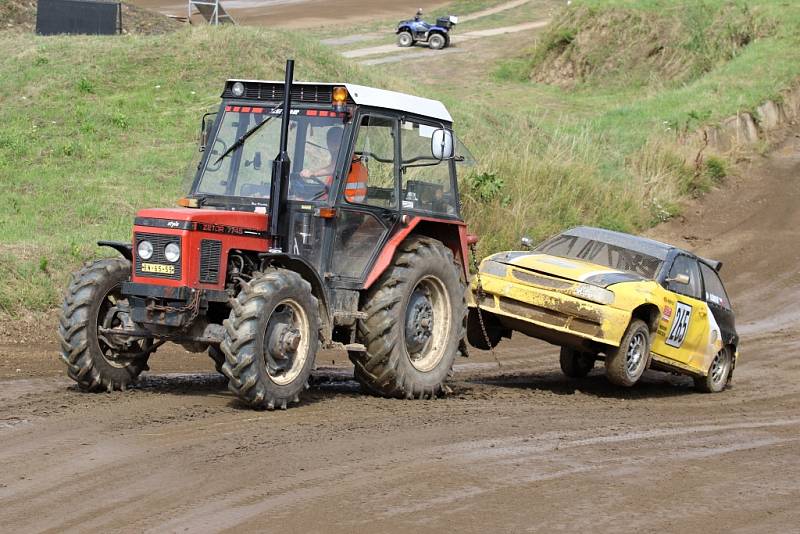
x=355, y=190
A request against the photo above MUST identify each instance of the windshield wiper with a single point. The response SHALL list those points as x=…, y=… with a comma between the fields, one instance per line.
x=239, y=142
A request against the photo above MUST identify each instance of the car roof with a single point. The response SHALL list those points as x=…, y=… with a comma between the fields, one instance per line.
x=380, y=98
x=642, y=245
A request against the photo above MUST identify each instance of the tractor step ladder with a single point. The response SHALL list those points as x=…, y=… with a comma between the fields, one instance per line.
x=211, y=10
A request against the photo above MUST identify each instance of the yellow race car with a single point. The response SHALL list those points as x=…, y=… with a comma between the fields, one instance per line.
x=603, y=295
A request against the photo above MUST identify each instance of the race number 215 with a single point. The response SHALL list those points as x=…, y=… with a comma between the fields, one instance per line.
x=680, y=325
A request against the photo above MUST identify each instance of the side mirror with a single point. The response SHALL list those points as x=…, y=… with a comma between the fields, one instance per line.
x=527, y=242
x=205, y=130
x=682, y=279
x=442, y=144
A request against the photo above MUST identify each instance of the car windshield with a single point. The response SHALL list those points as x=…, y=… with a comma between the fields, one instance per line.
x=245, y=171
x=601, y=253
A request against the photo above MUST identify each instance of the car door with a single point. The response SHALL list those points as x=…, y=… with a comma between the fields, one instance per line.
x=684, y=340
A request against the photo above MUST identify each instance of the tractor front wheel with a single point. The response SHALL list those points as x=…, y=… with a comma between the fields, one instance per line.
x=415, y=320
x=98, y=358
x=271, y=339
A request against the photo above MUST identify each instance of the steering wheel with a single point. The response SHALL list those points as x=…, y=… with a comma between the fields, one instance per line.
x=216, y=152
x=307, y=187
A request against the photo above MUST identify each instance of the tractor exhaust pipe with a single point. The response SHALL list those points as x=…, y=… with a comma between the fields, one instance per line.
x=279, y=188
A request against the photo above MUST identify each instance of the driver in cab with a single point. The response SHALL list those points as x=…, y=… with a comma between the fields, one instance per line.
x=357, y=177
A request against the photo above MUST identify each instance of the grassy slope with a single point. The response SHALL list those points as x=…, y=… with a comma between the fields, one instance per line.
x=95, y=128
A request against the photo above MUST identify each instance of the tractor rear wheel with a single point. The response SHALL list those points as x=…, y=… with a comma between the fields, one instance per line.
x=436, y=41
x=100, y=361
x=575, y=364
x=271, y=339
x=415, y=320
x=405, y=39
x=217, y=356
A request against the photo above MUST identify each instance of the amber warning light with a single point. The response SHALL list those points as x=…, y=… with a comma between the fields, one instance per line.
x=339, y=97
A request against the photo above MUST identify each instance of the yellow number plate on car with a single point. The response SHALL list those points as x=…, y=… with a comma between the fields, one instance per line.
x=156, y=268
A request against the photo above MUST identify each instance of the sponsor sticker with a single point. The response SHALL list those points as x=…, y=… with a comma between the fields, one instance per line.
x=158, y=268
x=667, y=313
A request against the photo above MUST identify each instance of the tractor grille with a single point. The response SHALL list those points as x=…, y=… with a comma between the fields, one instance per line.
x=210, y=252
x=159, y=241
x=317, y=94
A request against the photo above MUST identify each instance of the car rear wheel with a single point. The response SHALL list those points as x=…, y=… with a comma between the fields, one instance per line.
x=626, y=364
x=405, y=39
x=436, y=41
x=575, y=364
x=718, y=373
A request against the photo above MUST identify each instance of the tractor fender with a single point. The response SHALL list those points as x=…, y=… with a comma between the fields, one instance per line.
x=452, y=233
x=126, y=249
x=301, y=266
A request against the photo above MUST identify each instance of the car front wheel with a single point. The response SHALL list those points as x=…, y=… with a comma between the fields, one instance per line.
x=626, y=364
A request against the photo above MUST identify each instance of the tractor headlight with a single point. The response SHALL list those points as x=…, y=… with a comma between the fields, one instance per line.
x=145, y=250
x=593, y=294
x=237, y=89
x=172, y=252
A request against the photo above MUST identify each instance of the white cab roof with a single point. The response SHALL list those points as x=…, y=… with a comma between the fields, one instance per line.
x=381, y=98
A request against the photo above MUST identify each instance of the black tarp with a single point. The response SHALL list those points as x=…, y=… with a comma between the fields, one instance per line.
x=78, y=17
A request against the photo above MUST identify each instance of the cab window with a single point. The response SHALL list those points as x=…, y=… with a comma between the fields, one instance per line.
x=370, y=178
x=715, y=291
x=427, y=183
x=687, y=266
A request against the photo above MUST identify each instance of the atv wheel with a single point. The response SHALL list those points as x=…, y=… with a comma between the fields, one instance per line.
x=626, y=364
x=575, y=364
x=405, y=39
x=436, y=41
x=475, y=333
x=94, y=300
x=415, y=318
x=718, y=373
x=271, y=339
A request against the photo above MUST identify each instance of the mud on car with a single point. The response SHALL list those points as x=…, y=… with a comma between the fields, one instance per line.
x=633, y=302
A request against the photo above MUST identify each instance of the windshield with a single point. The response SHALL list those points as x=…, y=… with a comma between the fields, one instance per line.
x=601, y=253
x=315, y=137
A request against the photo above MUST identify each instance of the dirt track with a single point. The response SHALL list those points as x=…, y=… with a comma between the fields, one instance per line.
x=512, y=449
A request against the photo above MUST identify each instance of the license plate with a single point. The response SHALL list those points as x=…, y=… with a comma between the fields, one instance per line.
x=158, y=268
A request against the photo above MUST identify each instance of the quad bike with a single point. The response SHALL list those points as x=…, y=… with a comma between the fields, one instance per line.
x=352, y=236
x=416, y=30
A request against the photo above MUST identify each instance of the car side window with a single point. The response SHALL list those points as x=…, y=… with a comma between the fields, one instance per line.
x=686, y=266
x=715, y=291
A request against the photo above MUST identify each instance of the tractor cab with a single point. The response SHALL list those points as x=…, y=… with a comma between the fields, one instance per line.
x=320, y=213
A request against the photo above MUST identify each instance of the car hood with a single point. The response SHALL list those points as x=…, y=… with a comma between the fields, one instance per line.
x=566, y=268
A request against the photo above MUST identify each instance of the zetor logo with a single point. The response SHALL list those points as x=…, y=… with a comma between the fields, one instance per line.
x=157, y=268
x=173, y=224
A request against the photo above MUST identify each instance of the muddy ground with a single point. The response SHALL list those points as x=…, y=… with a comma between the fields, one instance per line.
x=513, y=448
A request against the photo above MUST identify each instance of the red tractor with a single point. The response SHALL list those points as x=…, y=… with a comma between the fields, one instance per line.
x=352, y=235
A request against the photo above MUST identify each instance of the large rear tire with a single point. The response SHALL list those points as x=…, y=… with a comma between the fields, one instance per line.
x=626, y=364
x=94, y=300
x=575, y=364
x=719, y=372
x=415, y=320
x=271, y=339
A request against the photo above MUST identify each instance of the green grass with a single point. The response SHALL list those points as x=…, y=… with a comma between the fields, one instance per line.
x=95, y=128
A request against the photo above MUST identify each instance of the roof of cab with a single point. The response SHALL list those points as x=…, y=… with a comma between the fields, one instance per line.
x=380, y=98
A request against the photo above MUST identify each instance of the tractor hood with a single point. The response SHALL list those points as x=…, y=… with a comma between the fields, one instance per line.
x=568, y=269
x=218, y=221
